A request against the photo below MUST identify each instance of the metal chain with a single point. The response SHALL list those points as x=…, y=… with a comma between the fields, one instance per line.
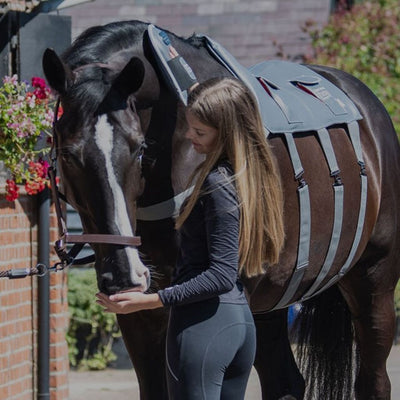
x=39, y=270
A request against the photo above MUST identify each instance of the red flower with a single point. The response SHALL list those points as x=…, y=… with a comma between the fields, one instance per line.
x=12, y=190
x=41, y=91
x=39, y=168
x=40, y=94
x=38, y=82
x=34, y=187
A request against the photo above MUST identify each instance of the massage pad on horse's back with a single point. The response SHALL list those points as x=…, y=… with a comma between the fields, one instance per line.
x=307, y=100
x=291, y=97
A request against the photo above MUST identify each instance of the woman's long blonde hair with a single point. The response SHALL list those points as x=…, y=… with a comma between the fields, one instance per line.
x=228, y=106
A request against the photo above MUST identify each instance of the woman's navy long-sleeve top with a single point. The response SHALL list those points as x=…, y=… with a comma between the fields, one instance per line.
x=208, y=258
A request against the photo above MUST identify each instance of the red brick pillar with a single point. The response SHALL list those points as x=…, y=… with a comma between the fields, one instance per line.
x=19, y=307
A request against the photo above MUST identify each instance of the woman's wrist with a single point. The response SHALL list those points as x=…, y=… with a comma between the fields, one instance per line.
x=127, y=302
x=154, y=301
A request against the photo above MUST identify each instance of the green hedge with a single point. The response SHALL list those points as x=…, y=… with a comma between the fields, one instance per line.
x=364, y=41
x=91, y=331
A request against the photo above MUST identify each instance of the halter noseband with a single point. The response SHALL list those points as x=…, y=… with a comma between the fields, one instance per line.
x=69, y=257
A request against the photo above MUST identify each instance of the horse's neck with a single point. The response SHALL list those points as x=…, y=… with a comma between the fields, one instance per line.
x=183, y=159
x=203, y=64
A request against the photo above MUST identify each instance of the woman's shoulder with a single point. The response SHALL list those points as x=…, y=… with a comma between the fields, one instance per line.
x=219, y=186
x=220, y=174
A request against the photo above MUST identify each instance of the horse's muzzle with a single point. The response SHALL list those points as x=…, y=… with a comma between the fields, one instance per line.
x=110, y=284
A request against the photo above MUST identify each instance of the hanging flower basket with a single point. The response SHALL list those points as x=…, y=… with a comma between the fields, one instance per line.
x=26, y=115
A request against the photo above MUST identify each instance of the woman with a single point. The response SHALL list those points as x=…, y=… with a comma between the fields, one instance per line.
x=230, y=226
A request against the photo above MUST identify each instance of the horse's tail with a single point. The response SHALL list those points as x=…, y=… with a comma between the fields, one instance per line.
x=325, y=351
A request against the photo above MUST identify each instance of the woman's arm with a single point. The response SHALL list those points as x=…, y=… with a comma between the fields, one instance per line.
x=128, y=302
x=221, y=216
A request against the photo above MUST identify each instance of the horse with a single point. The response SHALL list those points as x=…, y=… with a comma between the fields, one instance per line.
x=121, y=148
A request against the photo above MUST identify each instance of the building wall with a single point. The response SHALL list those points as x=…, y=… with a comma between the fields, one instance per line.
x=19, y=307
x=252, y=30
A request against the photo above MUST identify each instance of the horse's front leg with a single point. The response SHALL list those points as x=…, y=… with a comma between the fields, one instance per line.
x=276, y=367
x=144, y=336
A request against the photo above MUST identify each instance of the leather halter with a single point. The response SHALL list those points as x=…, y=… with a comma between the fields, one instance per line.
x=69, y=257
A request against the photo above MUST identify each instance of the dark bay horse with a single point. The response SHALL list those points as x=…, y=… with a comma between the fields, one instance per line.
x=121, y=147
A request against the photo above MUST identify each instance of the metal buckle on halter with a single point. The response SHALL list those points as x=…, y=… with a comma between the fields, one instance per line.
x=59, y=266
x=60, y=248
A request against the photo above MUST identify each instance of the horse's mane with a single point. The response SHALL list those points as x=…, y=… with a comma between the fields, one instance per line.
x=98, y=43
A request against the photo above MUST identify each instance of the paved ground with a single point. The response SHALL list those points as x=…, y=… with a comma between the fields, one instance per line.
x=121, y=383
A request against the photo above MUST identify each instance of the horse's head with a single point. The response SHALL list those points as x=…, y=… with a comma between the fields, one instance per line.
x=100, y=144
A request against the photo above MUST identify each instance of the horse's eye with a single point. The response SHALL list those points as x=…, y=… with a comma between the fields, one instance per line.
x=65, y=156
x=68, y=158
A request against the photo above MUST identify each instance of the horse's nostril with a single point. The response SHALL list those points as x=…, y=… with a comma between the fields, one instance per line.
x=112, y=281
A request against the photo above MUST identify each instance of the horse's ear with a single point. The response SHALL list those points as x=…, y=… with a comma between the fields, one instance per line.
x=56, y=72
x=130, y=78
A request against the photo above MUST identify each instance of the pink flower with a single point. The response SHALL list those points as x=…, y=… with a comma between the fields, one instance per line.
x=45, y=167
x=13, y=80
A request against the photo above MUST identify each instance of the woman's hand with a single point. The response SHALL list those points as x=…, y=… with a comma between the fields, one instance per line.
x=128, y=302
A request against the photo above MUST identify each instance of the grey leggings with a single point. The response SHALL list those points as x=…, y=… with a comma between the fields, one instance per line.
x=210, y=351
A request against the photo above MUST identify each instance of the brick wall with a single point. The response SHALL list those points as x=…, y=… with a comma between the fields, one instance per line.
x=19, y=308
x=248, y=29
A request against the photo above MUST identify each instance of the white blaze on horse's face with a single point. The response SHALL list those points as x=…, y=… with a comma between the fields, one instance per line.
x=104, y=139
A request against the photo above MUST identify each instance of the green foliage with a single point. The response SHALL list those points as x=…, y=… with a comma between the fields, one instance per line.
x=397, y=299
x=364, y=42
x=91, y=331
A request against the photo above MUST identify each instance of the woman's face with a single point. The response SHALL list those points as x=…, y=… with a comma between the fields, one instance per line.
x=203, y=137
